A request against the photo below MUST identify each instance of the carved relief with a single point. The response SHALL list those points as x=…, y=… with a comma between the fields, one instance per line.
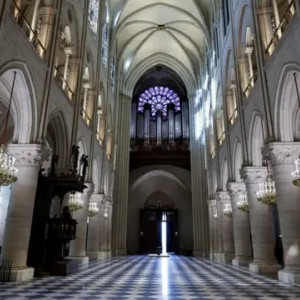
x=254, y=174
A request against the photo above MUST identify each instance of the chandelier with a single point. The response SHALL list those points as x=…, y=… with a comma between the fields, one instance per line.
x=93, y=209
x=75, y=201
x=215, y=213
x=227, y=210
x=267, y=191
x=296, y=173
x=242, y=203
x=8, y=172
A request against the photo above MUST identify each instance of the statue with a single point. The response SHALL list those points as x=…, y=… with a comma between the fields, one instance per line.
x=84, y=163
x=74, y=157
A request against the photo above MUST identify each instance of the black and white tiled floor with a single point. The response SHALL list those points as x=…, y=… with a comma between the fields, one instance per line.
x=141, y=277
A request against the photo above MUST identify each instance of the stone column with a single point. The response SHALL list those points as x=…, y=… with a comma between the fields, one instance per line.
x=227, y=229
x=261, y=223
x=219, y=235
x=282, y=157
x=211, y=206
x=120, y=195
x=73, y=75
x=20, y=209
x=244, y=74
x=105, y=229
x=46, y=13
x=94, y=229
x=77, y=246
x=68, y=52
x=4, y=200
x=265, y=18
x=241, y=227
x=248, y=52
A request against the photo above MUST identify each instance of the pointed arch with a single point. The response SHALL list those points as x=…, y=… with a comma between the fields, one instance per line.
x=23, y=108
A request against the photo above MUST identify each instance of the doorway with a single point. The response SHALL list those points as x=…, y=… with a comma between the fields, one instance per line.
x=158, y=229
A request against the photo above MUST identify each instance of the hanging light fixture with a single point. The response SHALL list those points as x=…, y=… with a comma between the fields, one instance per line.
x=227, y=210
x=242, y=203
x=267, y=191
x=8, y=172
x=93, y=209
x=75, y=201
x=215, y=213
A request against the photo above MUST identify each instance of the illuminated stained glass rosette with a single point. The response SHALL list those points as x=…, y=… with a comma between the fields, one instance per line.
x=159, y=97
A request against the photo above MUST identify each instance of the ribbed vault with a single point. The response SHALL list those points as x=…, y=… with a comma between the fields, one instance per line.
x=172, y=31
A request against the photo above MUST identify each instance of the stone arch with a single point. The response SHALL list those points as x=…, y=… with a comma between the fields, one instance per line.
x=170, y=183
x=287, y=105
x=237, y=160
x=23, y=107
x=165, y=201
x=58, y=138
x=257, y=139
x=244, y=22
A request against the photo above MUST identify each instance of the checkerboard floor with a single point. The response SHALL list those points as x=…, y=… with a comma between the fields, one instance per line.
x=141, y=277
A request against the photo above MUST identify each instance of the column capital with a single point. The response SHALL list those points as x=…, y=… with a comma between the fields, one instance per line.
x=212, y=203
x=223, y=197
x=28, y=154
x=281, y=153
x=254, y=174
x=236, y=188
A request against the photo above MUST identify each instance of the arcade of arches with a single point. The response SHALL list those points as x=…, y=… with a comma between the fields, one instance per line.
x=127, y=114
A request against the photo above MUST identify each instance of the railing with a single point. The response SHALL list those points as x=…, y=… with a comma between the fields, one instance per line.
x=233, y=117
x=250, y=86
x=221, y=138
x=64, y=84
x=29, y=32
x=5, y=270
x=281, y=27
x=85, y=116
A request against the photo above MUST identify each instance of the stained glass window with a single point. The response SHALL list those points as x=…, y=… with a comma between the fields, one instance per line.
x=93, y=15
x=104, y=50
x=159, y=97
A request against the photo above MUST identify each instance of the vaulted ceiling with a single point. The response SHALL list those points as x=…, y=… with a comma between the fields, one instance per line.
x=170, y=32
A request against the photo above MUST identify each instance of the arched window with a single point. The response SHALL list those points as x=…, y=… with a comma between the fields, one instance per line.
x=112, y=74
x=250, y=74
x=105, y=28
x=231, y=99
x=93, y=15
x=159, y=97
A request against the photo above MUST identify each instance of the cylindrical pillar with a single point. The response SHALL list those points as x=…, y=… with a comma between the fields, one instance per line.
x=94, y=229
x=282, y=157
x=20, y=209
x=261, y=223
x=241, y=227
x=77, y=246
x=227, y=228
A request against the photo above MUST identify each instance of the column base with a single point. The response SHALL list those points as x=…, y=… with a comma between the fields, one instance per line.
x=21, y=275
x=289, y=276
x=81, y=260
x=264, y=268
x=227, y=257
x=218, y=256
x=198, y=253
x=241, y=261
x=120, y=252
x=98, y=255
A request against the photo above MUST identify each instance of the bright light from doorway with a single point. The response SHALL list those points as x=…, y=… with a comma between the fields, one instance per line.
x=164, y=237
